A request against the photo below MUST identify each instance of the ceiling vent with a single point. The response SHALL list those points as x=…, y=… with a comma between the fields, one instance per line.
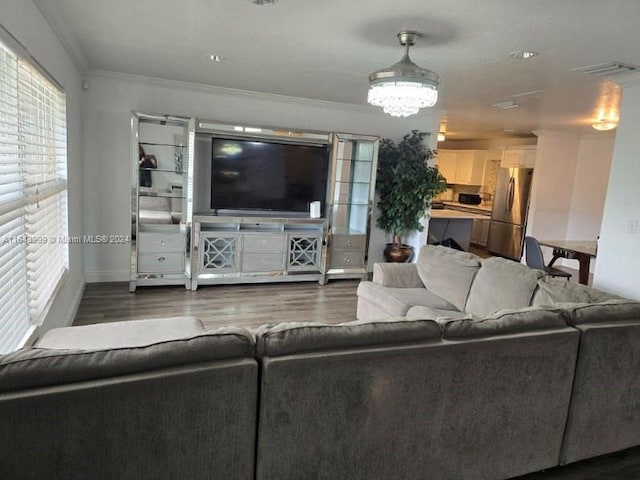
x=612, y=69
x=508, y=105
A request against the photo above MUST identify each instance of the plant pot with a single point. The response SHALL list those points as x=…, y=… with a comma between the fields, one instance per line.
x=401, y=254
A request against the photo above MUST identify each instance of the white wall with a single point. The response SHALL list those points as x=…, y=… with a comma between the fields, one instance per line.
x=569, y=188
x=552, y=188
x=618, y=260
x=590, y=186
x=106, y=115
x=25, y=22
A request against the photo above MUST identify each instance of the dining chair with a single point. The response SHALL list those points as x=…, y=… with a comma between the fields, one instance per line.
x=535, y=259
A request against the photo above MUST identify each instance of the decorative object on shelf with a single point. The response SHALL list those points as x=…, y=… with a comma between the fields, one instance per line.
x=403, y=88
x=145, y=162
x=406, y=184
x=178, y=154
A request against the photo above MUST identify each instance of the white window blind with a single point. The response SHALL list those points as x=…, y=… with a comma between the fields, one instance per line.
x=33, y=198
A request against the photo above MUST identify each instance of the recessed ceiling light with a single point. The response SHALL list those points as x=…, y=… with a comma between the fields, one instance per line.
x=216, y=58
x=524, y=55
x=603, y=125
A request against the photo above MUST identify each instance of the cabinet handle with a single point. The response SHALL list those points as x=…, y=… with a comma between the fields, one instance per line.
x=348, y=243
x=161, y=259
x=161, y=242
x=347, y=260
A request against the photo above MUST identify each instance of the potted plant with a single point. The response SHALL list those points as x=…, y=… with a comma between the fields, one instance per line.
x=406, y=184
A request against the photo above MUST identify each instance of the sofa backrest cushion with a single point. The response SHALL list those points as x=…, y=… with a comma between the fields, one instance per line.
x=290, y=338
x=447, y=272
x=555, y=290
x=501, y=284
x=505, y=322
x=609, y=312
x=37, y=367
x=124, y=334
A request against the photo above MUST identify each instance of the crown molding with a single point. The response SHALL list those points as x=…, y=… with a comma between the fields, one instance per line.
x=274, y=97
x=67, y=39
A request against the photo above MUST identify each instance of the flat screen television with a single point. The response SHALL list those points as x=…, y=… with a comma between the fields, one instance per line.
x=266, y=176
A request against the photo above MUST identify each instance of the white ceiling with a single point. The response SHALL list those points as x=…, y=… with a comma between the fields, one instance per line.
x=326, y=49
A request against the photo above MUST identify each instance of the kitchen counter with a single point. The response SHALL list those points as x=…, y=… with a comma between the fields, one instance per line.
x=481, y=209
x=456, y=214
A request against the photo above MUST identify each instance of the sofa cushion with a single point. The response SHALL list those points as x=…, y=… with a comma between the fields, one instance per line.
x=397, y=301
x=554, y=290
x=505, y=322
x=501, y=284
x=290, y=338
x=132, y=333
x=613, y=311
x=422, y=313
x=402, y=275
x=37, y=367
x=447, y=272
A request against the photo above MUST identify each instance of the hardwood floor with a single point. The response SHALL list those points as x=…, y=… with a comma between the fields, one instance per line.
x=253, y=305
x=219, y=305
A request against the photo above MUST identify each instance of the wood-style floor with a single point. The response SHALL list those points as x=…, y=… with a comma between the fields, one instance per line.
x=220, y=305
x=253, y=305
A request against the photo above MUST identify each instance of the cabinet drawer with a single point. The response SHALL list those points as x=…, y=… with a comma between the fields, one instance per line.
x=152, y=242
x=263, y=243
x=347, y=242
x=346, y=260
x=161, y=262
x=262, y=262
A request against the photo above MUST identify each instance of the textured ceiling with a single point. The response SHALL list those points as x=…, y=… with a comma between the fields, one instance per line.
x=325, y=50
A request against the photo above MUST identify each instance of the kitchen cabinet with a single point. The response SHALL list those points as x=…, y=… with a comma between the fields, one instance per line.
x=462, y=167
x=447, y=164
x=524, y=156
x=480, y=231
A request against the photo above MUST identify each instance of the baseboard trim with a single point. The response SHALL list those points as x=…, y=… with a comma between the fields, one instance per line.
x=108, y=276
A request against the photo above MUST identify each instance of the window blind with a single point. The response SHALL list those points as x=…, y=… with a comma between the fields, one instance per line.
x=33, y=199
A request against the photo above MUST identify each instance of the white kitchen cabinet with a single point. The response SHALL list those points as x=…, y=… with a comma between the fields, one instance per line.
x=446, y=162
x=524, y=156
x=462, y=167
x=483, y=234
x=480, y=231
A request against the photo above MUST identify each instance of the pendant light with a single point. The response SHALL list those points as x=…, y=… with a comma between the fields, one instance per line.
x=403, y=88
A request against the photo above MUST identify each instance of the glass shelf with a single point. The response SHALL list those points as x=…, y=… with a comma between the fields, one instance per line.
x=172, y=145
x=354, y=171
x=162, y=170
x=162, y=194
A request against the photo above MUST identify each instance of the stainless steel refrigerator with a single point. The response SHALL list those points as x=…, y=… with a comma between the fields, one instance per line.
x=509, y=214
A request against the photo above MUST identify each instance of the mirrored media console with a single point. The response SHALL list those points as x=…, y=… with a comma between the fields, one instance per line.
x=242, y=197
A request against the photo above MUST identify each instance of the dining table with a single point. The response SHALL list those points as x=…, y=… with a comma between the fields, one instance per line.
x=581, y=250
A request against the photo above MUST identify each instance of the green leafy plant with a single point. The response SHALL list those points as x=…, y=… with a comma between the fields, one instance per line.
x=406, y=184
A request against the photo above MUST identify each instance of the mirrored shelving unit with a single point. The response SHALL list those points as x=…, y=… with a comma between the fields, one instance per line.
x=350, y=201
x=161, y=199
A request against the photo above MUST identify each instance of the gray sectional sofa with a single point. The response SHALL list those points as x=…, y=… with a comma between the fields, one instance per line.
x=457, y=368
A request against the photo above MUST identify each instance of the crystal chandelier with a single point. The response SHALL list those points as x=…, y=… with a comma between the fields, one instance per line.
x=403, y=88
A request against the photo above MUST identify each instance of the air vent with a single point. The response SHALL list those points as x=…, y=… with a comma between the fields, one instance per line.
x=509, y=104
x=613, y=69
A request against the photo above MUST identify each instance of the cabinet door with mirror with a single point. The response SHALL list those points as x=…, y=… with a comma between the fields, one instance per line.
x=161, y=203
x=350, y=200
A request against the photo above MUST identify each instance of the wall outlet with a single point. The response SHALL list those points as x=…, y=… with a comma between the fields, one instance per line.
x=632, y=227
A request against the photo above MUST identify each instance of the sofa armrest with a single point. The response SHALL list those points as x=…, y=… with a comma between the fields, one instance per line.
x=398, y=275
